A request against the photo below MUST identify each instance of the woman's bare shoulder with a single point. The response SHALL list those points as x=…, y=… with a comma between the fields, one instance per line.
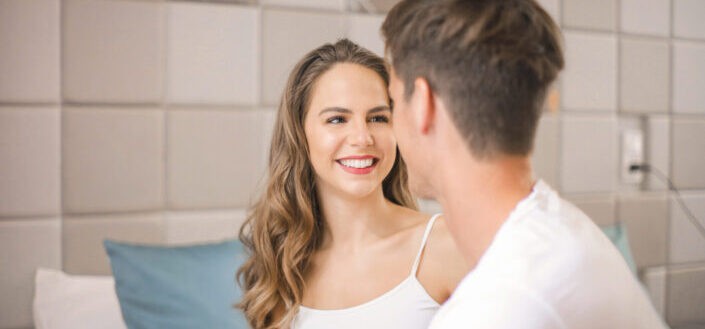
x=442, y=235
x=442, y=240
x=442, y=258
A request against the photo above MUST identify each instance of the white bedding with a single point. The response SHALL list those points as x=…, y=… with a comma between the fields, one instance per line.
x=63, y=301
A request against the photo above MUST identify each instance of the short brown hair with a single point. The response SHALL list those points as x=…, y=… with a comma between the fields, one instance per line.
x=490, y=61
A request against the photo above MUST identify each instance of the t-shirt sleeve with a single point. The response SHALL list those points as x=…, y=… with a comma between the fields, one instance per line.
x=497, y=306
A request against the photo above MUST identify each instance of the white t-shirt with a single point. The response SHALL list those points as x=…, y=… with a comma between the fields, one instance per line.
x=549, y=266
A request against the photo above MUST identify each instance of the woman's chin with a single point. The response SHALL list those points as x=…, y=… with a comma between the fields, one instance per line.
x=360, y=191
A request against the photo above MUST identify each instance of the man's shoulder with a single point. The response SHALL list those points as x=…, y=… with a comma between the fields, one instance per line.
x=486, y=301
x=550, y=267
x=552, y=245
x=553, y=228
x=554, y=232
x=495, y=304
x=550, y=275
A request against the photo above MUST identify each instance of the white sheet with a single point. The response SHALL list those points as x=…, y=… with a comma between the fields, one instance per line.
x=63, y=301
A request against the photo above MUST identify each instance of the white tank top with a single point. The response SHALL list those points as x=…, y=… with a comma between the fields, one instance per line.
x=407, y=306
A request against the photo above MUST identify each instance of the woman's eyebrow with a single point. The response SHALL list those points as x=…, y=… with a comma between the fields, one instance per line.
x=343, y=110
x=381, y=108
x=334, y=109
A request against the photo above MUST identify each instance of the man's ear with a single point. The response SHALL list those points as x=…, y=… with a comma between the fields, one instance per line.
x=424, y=103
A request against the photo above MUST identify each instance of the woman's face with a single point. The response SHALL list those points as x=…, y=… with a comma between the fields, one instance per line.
x=349, y=132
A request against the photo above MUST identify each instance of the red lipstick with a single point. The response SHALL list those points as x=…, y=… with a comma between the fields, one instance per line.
x=358, y=164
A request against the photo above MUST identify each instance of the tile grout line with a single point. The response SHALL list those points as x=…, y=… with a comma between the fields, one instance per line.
x=164, y=106
x=617, y=183
x=669, y=208
x=62, y=126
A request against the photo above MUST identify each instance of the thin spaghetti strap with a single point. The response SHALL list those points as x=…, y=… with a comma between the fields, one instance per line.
x=417, y=261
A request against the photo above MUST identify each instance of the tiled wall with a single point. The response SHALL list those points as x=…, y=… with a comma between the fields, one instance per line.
x=639, y=63
x=148, y=121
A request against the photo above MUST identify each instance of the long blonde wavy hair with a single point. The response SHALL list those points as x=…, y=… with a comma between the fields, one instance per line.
x=285, y=226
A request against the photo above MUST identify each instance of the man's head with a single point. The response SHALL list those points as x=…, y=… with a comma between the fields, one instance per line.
x=489, y=62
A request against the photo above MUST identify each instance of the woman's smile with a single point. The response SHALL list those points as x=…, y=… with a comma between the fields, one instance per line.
x=359, y=164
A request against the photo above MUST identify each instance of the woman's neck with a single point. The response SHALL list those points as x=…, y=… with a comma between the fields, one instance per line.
x=353, y=222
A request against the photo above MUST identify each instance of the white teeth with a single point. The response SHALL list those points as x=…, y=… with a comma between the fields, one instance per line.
x=359, y=164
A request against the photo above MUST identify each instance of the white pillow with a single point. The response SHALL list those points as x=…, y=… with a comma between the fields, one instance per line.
x=63, y=301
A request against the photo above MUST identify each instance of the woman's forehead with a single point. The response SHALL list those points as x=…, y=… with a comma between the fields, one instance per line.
x=350, y=86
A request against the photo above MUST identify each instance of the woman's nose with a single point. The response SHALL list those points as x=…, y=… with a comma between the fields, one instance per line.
x=361, y=135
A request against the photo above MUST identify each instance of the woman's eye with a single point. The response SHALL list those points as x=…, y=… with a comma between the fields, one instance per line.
x=336, y=119
x=380, y=118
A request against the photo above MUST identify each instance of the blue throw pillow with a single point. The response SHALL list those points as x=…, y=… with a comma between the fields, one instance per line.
x=178, y=287
x=617, y=233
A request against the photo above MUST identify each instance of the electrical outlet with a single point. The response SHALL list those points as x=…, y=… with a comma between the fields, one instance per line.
x=632, y=153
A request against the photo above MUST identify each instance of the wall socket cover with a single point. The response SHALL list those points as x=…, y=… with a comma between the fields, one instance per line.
x=632, y=153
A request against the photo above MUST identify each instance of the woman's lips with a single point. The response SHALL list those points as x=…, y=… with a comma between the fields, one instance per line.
x=358, y=165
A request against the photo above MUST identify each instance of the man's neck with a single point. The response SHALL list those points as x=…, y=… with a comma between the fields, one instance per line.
x=478, y=196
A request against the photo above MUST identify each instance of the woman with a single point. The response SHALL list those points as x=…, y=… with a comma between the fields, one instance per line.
x=335, y=240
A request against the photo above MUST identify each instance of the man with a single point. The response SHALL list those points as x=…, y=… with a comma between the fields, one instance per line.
x=468, y=81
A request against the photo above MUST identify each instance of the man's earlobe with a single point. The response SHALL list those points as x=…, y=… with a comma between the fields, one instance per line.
x=425, y=110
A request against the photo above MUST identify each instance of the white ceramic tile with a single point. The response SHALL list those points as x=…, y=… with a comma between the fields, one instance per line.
x=312, y=4
x=650, y=17
x=687, y=244
x=600, y=208
x=270, y=116
x=588, y=153
x=686, y=296
x=654, y=280
x=658, y=148
x=83, y=238
x=112, y=51
x=25, y=245
x=30, y=172
x=214, y=158
x=553, y=8
x=545, y=154
x=212, y=55
x=589, y=77
x=287, y=37
x=646, y=219
x=112, y=159
x=688, y=77
x=365, y=31
x=356, y=6
x=590, y=14
x=644, y=75
x=688, y=19
x=688, y=153
x=371, y=6
x=29, y=35
x=202, y=227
